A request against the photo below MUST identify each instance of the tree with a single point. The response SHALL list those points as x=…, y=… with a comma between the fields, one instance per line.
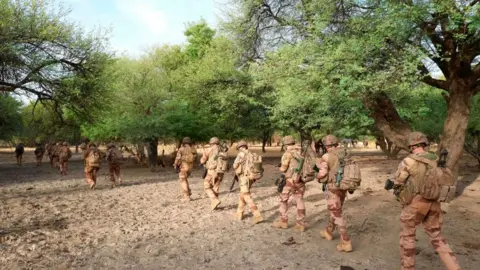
x=10, y=117
x=377, y=44
x=45, y=57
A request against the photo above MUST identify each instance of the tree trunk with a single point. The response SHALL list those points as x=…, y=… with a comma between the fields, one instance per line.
x=76, y=148
x=152, y=150
x=387, y=120
x=455, y=126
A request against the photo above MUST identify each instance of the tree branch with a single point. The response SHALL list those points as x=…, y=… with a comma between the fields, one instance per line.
x=435, y=83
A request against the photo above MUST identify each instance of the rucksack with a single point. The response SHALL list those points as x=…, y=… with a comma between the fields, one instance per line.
x=115, y=156
x=64, y=154
x=252, y=168
x=39, y=150
x=19, y=149
x=218, y=161
x=347, y=176
x=438, y=183
x=93, y=158
x=187, y=155
x=303, y=164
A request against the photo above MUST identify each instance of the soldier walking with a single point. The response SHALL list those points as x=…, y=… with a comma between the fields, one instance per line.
x=183, y=163
x=240, y=166
x=55, y=156
x=64, y=154
x=418, y=210
x=213, y=178
x=292, y=188
x=114, y=159
x=19, y=149
x=92, y=165
x=328, y=166
x=39, y=152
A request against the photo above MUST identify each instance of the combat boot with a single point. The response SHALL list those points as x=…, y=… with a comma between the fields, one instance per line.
x=280, y=224
x=345, y=246
x=326, y=234
x=186, y=197
x=299, y=228
x=257, y=217
x=238, y=216
x=215, y=204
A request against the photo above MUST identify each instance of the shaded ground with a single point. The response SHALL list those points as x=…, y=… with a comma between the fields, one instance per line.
x=49, y=221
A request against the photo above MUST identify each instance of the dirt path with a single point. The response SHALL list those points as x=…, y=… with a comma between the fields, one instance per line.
x=49, y=221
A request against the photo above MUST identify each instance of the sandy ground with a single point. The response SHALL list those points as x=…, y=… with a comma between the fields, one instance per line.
x=56, y=222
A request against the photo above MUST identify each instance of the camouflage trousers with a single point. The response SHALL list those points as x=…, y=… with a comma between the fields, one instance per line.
x=114, y=170
x=297, y=190
x=429, y=214
x=211, y=184
x=91, y=175
x=63, y=167
x=335, y=199
x=245, y=196
x=39, y=158
x=19, y=158
x=183, y=178
x=54, y=162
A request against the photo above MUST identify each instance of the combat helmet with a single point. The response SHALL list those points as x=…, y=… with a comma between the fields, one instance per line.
x=241, y=143
x=186, y=140
x=214, y=140
x=65, y=144
x=288, y=140
x=110, y=145
x=330, y=140
x=416, y=137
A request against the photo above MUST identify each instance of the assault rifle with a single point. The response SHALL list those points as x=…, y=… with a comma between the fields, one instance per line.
x=442, y=161
x=280, y=183
x=204, y=173
x=235, y=179
x=301, y=162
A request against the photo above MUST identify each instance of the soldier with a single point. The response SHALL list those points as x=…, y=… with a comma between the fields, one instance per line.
x=213, y=179
x=365, y=142
x=55, y=155
x=418, y=210
x=49, y=149
x=114, y=159
x=39, y=152
x=239, y=165
x=92, y=165
x=183, y=163
x=292, y=187
x=328, y=166
x=64, y=154
x=19, y=149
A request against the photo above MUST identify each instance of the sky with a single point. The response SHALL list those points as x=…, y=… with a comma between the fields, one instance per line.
x=139, y=24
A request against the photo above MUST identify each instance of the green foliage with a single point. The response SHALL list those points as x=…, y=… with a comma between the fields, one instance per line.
x=45, y=56
x=10, y=117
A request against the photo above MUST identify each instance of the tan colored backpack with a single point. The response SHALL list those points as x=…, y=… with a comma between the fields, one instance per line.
x=115, y=156
x=93, y=158
x=218, y=161
x=64, y=154
x=438, y=184
x=347, y=176
x=252, y=167
x=187, y=155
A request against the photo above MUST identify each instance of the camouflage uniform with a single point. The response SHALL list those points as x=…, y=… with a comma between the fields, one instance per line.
x=245, y=183
x=213, y=179
x=64, y=159
x=292, y=187
x=184, y=162
x=417, y=210
x=113, y=165
x=39, y=152
x=335, y=197
x=55, y=155
x=19, y=149
x=91, y=171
